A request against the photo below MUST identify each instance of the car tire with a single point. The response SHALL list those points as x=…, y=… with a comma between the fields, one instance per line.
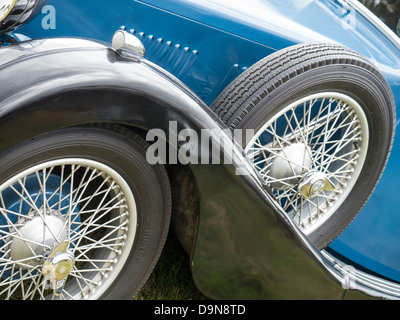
x=323, y=120
x=92, y=187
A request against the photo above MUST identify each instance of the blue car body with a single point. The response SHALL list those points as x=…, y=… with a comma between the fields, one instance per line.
x=206, y=44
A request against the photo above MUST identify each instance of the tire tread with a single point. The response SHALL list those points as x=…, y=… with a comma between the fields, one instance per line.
x=259, y=82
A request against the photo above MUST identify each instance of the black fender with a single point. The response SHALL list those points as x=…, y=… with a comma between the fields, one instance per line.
x=50, y=84
x=245, y=247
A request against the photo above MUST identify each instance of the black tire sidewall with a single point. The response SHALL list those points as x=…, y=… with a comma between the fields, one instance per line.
x=127, y=156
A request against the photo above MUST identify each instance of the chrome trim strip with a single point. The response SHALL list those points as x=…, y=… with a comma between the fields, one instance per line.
x=348, y=276
x=378, y=23
x=369, y=284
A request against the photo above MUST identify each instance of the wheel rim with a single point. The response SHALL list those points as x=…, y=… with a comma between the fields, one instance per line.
x=310, y=155
x=82, y=202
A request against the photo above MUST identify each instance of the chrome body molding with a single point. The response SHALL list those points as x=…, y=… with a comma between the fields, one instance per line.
x=356, y=279
x=348, y=276
x=373, y=19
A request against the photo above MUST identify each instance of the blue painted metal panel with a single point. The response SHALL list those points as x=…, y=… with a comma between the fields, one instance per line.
x=203, y=58
x=207, y=43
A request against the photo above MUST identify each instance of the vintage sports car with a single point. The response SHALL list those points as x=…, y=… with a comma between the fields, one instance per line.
x=259, y=129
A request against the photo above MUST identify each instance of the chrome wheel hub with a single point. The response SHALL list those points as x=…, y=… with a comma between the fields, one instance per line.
x=57, y=268
x=313, y=184
x=38, y=234
x=290, y=164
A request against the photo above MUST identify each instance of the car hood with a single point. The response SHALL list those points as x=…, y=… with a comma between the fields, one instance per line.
x=278, y=24
x=295, y=21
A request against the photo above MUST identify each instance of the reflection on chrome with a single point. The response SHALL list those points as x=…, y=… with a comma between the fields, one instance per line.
x=356, y=279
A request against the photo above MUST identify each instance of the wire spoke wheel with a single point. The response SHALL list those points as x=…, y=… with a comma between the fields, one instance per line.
x=75, y=200
x=82, y=216
x=311, y=154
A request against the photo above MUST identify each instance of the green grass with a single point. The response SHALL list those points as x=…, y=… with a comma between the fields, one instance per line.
x=171, y=278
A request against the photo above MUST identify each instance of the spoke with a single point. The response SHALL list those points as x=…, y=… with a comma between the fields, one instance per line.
x=330, y=129
x=284, y=157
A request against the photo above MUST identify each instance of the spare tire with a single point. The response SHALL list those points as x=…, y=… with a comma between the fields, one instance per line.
x=323, y=119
